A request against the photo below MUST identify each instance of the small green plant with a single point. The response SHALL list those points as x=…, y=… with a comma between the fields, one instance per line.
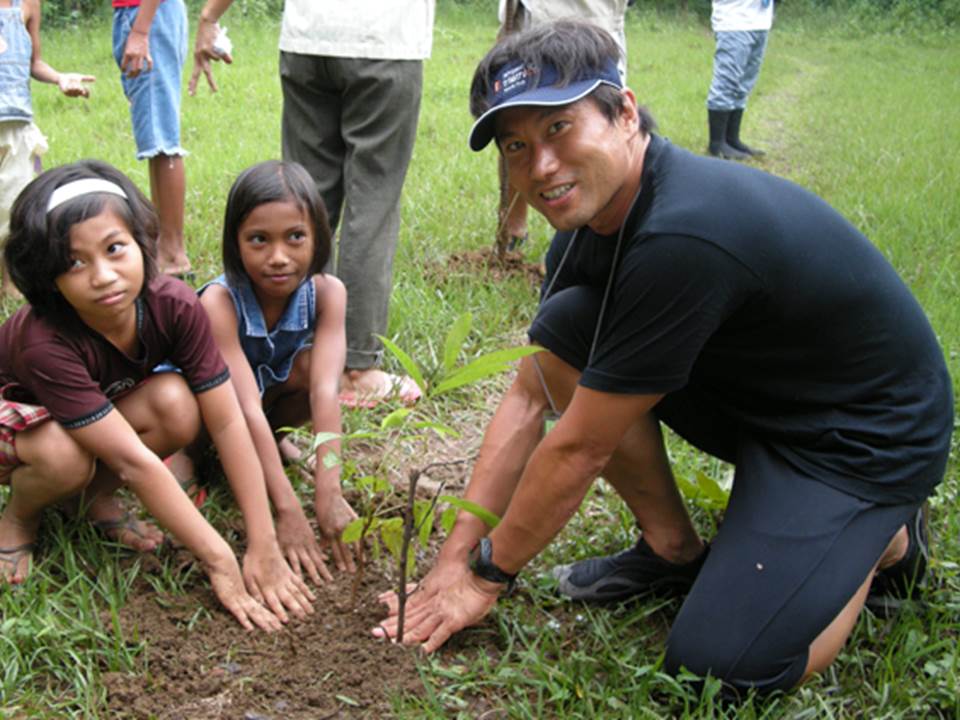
x=392, y=516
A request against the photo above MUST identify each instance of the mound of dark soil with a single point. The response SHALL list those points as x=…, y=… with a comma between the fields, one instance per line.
x=200, y=664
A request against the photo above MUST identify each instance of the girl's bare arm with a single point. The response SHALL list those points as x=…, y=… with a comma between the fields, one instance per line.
x=294, y=532
x=266, y=572
x=70, y=84
x=326, y=367
x=113, y=441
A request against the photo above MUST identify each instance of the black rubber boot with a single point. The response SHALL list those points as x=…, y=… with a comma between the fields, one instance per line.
x=733, y=135
x=719, y=122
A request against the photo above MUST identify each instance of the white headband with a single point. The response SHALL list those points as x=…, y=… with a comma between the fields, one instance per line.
x=86, y=186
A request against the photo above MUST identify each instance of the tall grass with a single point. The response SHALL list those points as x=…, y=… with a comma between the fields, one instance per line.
x=869, y=123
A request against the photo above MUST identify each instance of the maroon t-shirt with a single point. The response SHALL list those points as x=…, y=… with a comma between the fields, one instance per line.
x=77, y=375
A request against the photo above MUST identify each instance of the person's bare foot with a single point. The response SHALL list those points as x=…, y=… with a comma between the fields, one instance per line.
x=174, y=262
x=183, y=467
x=369, y=387
x=123, y=526
x=289, y=452
x=292, y=455
x=16, y=551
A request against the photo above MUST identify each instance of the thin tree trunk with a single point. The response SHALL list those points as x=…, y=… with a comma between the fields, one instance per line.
x=509, y=26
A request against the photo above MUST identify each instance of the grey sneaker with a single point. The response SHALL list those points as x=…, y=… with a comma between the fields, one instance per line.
x=631, y=572
x=900, y=584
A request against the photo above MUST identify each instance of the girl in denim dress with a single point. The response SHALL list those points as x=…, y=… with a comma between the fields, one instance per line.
x=279, y=322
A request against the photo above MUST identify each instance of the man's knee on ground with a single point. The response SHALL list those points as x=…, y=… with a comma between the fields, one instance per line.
x=721, y=655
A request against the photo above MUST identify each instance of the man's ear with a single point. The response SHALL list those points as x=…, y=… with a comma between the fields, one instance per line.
x=629, y=114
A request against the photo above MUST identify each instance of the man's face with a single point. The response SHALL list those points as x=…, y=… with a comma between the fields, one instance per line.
x=571, y=163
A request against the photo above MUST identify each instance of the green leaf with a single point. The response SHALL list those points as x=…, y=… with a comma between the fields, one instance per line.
x=363, y=435
x=406, y=362
x=711, y=489
x=479, y=511
x=354, y=531
x=483, y=367
x=391, y=532
x=447, y=519
x=439, y=428
x=411, y=561
x=331, y=459
x=395, y=419
x=688, y=489
x=451, y=347
x=423, y=520
x=323, y=437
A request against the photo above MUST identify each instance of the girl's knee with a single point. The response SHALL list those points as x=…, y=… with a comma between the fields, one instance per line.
x=175, y=407
x=66, y=462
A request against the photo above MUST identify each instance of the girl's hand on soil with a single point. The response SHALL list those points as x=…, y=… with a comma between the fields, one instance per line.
x=333, y=515
x=72, y=84
x=228, y=587
x=448, y=611
x=300, y=547
x=271, y=582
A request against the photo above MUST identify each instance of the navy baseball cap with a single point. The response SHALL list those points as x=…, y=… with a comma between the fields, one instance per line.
x=520, y=84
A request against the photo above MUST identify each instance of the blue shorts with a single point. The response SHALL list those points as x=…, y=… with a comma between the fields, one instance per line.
x=155, y=95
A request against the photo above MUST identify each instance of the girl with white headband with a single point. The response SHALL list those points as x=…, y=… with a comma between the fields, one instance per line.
x=82, y=411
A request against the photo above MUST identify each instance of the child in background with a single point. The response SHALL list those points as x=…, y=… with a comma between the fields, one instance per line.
x=279, y=322
x=81, y=410
x=21, y=142
x=150, y=47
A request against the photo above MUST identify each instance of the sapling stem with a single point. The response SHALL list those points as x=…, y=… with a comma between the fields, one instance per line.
x=409, y=518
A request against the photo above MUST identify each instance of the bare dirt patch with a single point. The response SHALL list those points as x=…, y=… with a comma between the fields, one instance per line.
x=486, y=262
x=199, y=664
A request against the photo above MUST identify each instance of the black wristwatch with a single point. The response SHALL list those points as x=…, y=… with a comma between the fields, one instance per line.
x=481, y=563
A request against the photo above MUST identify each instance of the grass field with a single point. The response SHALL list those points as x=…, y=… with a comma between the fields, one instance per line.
x=868, y=122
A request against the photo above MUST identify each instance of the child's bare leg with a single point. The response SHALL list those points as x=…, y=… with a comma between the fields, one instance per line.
x=55, y=467
x=288, y=405
x=167, y=189
x=164, y=413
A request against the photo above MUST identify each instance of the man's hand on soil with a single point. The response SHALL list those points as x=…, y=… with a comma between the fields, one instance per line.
x=451, y=598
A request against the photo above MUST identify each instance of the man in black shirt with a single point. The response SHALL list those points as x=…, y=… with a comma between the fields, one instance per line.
x=744, y=313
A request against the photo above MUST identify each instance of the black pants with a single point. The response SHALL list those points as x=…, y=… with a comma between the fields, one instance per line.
x=791, y=550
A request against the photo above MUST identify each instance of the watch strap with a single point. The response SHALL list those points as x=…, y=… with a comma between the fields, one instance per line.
x=481, y=563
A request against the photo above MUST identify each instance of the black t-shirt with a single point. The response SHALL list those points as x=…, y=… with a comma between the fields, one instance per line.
x=77, y=375
x=753, y=290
